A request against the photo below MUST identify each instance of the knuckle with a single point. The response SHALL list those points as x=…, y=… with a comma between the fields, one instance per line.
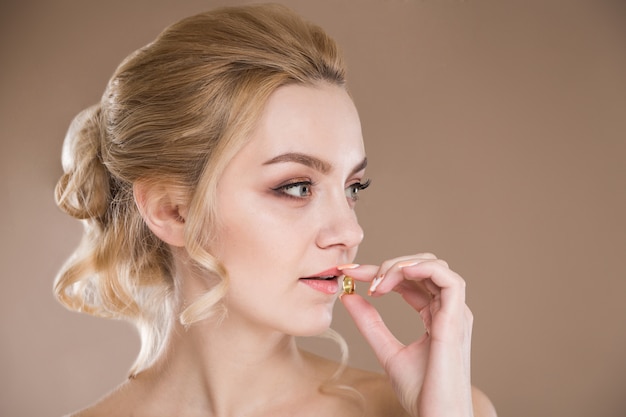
x=462, y=283
x=443, y=263
x=386, y=265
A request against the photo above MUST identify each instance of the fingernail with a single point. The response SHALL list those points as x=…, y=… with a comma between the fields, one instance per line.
x=375, y=284
x=347, y=266
x=406, y=264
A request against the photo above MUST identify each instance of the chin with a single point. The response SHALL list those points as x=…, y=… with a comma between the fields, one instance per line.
x=313, y=323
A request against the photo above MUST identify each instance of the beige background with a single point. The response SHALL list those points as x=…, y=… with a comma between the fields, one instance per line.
x=496, y=134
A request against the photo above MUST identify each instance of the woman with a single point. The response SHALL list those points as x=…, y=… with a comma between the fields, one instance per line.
x=217, y=180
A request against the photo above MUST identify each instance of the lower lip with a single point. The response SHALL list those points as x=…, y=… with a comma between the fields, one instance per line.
x=329, y=286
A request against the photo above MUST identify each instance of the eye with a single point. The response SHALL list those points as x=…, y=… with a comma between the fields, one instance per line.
x=300, y=189
x=352, y=192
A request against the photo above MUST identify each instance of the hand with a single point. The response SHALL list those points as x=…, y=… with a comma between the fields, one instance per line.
x=431, y=376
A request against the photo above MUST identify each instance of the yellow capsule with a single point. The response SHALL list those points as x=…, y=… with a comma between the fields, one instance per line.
x=348, y=285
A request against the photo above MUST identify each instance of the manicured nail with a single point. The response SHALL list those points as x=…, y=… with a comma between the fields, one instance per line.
x=375, y=284
x=347, y=266
x=406, y=264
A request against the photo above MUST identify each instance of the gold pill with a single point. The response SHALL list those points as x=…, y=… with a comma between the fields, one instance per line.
x=348, y=285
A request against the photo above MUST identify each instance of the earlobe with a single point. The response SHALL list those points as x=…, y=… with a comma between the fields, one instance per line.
x=163, y=213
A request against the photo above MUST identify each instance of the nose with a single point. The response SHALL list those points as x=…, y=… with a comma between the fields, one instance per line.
x=339, y=226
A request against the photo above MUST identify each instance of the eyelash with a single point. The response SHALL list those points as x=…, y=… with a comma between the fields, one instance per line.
x=358, y=187
x=282, y=190
x=355, y=188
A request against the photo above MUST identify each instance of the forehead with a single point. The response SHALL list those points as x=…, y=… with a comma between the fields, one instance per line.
x=311, y=119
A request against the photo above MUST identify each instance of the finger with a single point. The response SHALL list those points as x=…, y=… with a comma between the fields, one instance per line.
x=447, y=317
x=439, y=279
x=388, y=264
x=372, y=327
x=420, y=301
x=363, y=273
x=416, y=294
x=434, y=275
x=368, y=272
x=395, y=276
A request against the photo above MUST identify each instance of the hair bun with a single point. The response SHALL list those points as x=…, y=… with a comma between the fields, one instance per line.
x=83, y=191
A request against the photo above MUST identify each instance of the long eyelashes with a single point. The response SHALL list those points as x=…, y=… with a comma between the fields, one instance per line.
x=302, y=189
x=353, y=190
x=298, y=189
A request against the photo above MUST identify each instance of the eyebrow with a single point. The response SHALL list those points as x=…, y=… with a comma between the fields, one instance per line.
x=312, y=162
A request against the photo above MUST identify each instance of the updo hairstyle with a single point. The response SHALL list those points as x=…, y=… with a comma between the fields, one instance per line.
x=174, y=114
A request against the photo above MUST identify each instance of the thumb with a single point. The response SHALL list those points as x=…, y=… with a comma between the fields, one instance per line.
x=372, y=327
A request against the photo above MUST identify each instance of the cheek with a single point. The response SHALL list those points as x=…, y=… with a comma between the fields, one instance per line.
x=250, y=233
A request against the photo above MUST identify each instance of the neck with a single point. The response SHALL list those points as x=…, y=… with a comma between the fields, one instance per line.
x=210, y=365
x=228, y=367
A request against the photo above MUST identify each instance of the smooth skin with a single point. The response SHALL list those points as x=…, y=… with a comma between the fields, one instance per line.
x=286, y=202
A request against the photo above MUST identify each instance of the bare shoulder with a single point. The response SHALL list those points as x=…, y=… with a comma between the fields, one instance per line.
x=111, y=404
x=91, y=411
x=381, y=400
x=100, y=409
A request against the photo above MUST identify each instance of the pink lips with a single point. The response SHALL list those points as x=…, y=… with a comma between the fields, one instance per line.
x=326, y=286
x=329, y=272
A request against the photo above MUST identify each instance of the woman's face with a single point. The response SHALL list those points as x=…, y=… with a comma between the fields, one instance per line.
x=286, y=204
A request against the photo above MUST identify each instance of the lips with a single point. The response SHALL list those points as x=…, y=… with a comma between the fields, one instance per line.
x=325, y=281
x=322, y=277
x=329, y=274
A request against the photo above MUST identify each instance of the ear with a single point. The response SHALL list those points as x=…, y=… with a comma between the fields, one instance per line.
x=163, y=210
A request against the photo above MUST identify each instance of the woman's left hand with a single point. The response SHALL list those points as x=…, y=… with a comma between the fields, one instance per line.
x=431, y=375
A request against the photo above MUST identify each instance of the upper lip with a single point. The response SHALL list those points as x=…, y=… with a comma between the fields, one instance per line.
x=331, y=272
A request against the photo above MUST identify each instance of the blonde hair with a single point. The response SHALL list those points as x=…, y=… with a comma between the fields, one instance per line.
x=175, y=112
